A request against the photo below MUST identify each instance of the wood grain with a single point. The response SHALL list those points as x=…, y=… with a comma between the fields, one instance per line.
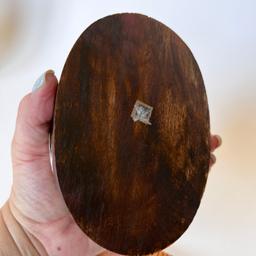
x=107, y=253
x=133, y=188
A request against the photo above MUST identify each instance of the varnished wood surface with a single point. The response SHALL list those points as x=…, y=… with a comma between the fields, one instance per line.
x=155, y=254
x=133, y=188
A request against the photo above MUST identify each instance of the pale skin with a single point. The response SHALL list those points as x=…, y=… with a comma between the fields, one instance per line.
x=35, y=220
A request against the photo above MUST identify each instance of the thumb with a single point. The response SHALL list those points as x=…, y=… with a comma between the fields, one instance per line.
x=36, y=201
x=34, y=185
x=31, y=137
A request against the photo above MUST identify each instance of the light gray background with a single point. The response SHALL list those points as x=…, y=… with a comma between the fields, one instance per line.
x=37, y=35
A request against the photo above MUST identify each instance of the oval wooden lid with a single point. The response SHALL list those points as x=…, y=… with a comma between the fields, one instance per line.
x=131, y=134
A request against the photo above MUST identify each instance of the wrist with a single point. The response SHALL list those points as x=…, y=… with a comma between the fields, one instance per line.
x=14, y=239
x=60, y=237
x=70, y=241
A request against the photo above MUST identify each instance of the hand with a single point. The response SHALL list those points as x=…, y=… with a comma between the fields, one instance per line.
x=215, y=142
x=36, y=201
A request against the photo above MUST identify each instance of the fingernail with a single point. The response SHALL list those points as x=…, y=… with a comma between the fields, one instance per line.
x=41, y=80
x=213, y=158
x=219, y=140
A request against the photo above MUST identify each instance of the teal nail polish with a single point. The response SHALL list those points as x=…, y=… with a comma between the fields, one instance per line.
x=41, y=80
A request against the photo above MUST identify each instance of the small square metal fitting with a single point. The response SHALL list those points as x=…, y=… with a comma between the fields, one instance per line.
x=141, y=112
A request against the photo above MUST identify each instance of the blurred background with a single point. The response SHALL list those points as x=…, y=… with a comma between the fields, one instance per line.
x=38, y=35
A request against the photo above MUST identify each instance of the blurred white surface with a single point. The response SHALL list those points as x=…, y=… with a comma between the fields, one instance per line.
x=37, y=35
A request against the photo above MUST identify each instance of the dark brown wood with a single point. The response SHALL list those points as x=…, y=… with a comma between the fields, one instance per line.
x=132, y=187
x=107, y=253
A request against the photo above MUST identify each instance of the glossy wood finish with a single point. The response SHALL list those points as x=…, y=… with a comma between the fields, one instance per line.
x=107, y=253
x=133, y=188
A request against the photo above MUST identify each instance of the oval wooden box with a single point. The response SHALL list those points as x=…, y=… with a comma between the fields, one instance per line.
x=133, y=182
